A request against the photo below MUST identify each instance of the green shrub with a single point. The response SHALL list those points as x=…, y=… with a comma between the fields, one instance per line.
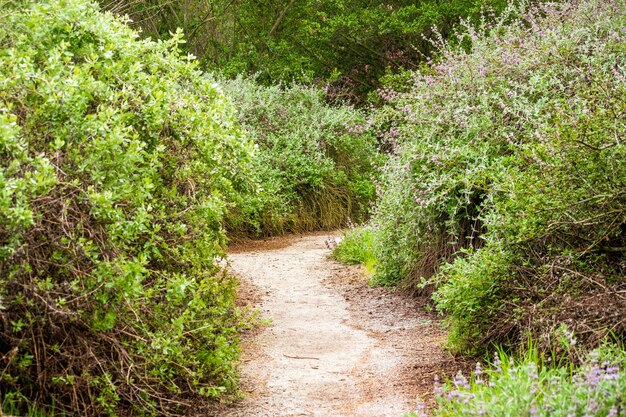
x=313, y=165
x=509, y=168
x=118, y=159
x=356, y=247
x=527, y=388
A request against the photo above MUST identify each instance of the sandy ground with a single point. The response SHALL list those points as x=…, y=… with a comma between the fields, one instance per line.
x=334, y=346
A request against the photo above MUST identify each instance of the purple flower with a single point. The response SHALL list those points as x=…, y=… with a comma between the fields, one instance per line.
x=497, y=363
x=461, y=381
x=420, y=410
x=478, y=370
x=437, y=386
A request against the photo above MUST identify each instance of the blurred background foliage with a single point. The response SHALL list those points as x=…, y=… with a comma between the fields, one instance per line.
x=346, y=46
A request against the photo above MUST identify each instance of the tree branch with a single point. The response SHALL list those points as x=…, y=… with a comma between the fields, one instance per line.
x=280, y=18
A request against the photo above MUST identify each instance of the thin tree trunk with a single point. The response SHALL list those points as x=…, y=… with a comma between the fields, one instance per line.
x=280, y=18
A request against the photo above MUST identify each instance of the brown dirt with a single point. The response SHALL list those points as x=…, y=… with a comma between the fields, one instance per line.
x=335, y=346
x=269, y=243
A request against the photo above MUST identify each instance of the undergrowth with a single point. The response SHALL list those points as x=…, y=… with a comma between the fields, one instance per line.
x=529, y=387
x=356, y=247
x=13, y=404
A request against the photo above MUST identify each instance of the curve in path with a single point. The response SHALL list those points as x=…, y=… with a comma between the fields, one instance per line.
x=323, y=355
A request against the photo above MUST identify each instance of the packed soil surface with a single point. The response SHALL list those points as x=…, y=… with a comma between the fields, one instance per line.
x=333, y=345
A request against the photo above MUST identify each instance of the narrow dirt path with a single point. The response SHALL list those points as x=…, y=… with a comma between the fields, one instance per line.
x=335, y=347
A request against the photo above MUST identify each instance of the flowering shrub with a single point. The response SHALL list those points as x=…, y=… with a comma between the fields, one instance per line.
x=508, y=388
x=506, y=186
x=117, y=162
x=313, y=167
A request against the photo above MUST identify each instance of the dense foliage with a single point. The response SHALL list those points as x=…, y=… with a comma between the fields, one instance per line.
x=118, y=160
x=313, y=167
x=528, y=388
x=507, y=184
x=349, y=43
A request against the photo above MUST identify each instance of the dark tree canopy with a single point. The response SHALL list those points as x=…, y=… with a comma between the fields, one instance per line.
x=349, y=43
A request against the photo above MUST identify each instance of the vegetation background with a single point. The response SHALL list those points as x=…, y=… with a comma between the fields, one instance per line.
x=480, y=142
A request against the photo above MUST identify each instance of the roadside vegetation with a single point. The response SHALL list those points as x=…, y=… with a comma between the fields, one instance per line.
x=118, y=161
x=528, y=387
x=357, y=247
x=314, y=162
x=504, y=197
x=506, y=185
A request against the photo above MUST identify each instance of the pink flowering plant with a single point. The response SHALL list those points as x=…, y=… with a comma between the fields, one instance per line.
x=505, y=189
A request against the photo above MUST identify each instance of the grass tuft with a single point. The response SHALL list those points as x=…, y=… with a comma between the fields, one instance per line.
x=357, y=247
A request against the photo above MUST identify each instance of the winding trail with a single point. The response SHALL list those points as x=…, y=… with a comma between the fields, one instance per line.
x=335, y=347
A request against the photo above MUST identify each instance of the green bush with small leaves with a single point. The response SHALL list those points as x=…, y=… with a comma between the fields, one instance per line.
x=313, y=166
x=118, y=161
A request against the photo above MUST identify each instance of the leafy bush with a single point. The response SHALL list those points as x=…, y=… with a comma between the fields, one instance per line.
x=118, y=159
x=509, y=169
x=356, y=247
x=313, y=168
x=526, y=388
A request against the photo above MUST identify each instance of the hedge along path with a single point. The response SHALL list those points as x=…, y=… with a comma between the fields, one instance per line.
x=323, y=354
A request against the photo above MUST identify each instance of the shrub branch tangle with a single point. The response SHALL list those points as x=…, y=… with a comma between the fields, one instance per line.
x=117, y=162
x=508, y=186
